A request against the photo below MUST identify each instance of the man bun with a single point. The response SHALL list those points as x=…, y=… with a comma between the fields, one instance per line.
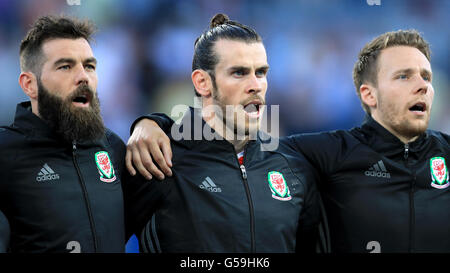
x=220, y=27
x=219, y=19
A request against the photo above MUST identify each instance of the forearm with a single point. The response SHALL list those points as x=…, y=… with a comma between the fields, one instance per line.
x=163, y=121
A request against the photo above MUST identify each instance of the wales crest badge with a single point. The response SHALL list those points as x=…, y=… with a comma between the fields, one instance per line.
x=105, y=167
x=439, y=173
x=278, y=186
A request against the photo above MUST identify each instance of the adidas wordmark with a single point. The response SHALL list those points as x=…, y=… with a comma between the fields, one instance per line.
x=378, y=170
x=46, y=173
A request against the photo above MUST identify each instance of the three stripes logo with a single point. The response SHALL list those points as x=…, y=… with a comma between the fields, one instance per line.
x=378, y=170
x=46, y=173
x=209, y=185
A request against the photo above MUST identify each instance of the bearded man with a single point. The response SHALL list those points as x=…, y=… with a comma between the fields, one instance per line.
x=60, y=188
x=228, y=193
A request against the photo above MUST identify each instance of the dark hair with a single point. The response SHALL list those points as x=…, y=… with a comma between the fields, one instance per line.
x=220, y=28
x=46, y=28
x=366, y=69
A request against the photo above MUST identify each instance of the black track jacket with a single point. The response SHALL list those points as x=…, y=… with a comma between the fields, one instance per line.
x=54, y=194
x=212, y=204
x=381, y=195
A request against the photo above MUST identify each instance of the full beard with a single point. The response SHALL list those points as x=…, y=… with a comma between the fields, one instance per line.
x=72, y=123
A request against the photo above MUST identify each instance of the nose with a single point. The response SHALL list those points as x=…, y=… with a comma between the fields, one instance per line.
x=422, y=86
x=82, y=76
x=255, y=84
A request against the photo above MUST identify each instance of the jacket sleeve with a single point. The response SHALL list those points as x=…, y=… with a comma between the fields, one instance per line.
x=142, y=198
x=445, y=138
x=323, y=150
x=308, y=231
x=163, y=121
x=5, y=233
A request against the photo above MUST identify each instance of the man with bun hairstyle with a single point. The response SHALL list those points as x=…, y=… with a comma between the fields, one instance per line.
x=385, y=185
x=226, y=194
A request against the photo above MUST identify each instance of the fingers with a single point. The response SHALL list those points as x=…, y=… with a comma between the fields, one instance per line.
x=140, y=157
x=128, y=162
x=167, y=151
x=138, y=163
x=147, y=159
x=149, y=148
x=158, y=157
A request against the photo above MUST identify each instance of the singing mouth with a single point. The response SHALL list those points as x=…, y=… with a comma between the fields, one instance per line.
x=83, y=99
x=418, y=107
x=252, y=109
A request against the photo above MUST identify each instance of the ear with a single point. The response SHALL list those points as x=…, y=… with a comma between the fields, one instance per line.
x=28, y=83
x=202, y=82
x=368, y=95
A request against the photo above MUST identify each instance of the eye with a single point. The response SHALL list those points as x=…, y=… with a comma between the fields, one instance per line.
x=64, y=67
x=261, y=73
x=238, y=73
x=90, y=67
x=402, y=77
x=426, y=78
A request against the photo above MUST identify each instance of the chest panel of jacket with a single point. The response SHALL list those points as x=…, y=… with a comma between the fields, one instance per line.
x=46, y=204
x=393, y=190
x=209, y=201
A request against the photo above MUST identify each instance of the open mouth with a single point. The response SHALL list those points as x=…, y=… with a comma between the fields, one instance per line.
x=252, y=109
x=82, y=100
x=419, y=107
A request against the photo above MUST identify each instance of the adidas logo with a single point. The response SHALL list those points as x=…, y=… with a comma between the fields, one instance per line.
x=209, y=185
x=46, y=173
x=378, y=170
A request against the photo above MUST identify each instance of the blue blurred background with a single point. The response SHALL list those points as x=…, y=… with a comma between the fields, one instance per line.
x=145, y=47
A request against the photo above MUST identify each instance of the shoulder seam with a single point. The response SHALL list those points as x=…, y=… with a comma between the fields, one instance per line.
x=339, y=165
x=440, y=138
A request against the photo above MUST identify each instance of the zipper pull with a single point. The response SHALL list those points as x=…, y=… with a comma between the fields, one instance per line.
x=406, y=151
x=74, y=146
x=244, y=172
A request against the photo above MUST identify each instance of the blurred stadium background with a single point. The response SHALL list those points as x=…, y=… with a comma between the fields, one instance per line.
x=145, y=48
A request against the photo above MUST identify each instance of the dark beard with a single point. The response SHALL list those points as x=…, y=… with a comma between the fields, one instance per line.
x=72, y=123
x=219, y=102
x=217, y=97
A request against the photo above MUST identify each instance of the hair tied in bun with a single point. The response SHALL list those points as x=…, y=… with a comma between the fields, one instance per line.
x=219, y=19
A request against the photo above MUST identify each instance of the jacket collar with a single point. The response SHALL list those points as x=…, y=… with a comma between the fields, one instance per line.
x=32, y=125
x=381, y=139
x=26, y=121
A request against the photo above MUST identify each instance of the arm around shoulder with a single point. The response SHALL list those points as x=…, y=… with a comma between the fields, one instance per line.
x=323, y=150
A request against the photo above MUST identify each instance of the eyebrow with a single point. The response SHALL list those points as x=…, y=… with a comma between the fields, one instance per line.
x=233, y=68
x=264, y=67
x=72, y=61
x=410, y=71
x=91, y=60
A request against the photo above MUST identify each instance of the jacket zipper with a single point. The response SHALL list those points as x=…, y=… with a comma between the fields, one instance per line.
x=406, y=153
x=411, y=203
x=250, y=204
x=85, y=195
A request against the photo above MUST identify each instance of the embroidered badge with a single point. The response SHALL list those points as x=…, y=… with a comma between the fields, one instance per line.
x=278, y=186
x=105, y=167
x=439, y=173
